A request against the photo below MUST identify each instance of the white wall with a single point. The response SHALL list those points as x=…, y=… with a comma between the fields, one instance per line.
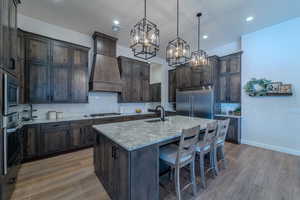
x=155, y=73
x=226, y=49
x=272, y=53
x=100, y=101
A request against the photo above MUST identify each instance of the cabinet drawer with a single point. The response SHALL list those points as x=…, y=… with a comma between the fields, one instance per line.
x=58, y=125
x=108, y=120
x=81, y=123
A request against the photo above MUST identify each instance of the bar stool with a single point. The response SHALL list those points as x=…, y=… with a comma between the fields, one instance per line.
x=205, y=146
x=220, y=142
x=180, y=156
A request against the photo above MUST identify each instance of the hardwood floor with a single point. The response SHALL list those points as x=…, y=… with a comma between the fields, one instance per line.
x=252, y=174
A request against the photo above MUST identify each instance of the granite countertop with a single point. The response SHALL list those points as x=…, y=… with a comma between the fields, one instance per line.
x=81, y=117
x=133, y=135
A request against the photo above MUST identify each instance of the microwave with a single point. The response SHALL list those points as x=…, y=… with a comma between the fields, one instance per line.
x=11, y=94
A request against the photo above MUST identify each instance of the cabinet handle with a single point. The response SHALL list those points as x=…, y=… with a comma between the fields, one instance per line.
x=13, y=63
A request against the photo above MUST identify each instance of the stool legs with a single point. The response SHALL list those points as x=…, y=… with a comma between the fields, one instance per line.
x=177, y=183
x=193, y=177
x=202, y=170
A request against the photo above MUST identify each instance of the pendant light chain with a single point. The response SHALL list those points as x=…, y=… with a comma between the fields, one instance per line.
x=199, y=32
x=145, y=7
x=177, y=18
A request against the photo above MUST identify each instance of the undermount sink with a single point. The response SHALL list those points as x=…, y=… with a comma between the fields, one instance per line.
x=156, y=120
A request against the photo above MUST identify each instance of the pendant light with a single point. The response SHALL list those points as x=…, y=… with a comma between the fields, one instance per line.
x=178, y=50
x=144, y=38
x=199, y=57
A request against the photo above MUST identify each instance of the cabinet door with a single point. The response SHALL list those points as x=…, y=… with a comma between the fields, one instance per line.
x=106, y=47
x=137, y=93
x=172, y=85
x=79, y=84
x=235, y=88
x=31, y=142
x=223, y=65
x=184, y=77
x=145, y=79
x=196, y=76
x=12, y=36
x=37, y=50
x=234, y=64
x=223, y=88
x=60, y=73
x=126, y=74
x=54, y=139
x=5, y=31
x=38, y=83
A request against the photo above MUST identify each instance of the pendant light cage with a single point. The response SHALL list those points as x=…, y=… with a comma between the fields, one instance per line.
x=178, y=52
x=199, y=58
x=144, y=38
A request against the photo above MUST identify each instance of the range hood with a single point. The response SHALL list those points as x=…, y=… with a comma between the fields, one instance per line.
x=105, y=74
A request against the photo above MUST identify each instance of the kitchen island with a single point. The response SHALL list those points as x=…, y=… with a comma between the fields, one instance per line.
x=126, y=154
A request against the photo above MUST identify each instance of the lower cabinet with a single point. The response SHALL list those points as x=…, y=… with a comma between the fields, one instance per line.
x=54, y=138
x=234, y=129
x=122, y=172
x=44, y=140
x=112, y=168
x=81, y=134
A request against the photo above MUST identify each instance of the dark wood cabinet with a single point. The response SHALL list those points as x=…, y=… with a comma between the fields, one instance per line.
x=135, y=76
x=155, y=92
x=188, y=76
x=105, y=44
x=8, y=42
x=56, y=71
x=81, y=134
x=79, y=82
x=229, y=79
x=31, y=142
x=54, y=138
x=172, y=85
x=112, y=168
x=60, y=73
x=234, y=129
x=120, y=171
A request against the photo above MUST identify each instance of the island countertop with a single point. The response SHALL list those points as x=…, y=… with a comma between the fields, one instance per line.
x=133, y=135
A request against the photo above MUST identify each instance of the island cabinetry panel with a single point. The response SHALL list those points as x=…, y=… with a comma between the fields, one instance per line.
x=229, y=79
x=135, y=76
x=234, y=129
x=55, y=71
x=122, y=172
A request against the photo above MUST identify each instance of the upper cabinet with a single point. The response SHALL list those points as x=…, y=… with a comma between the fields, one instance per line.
x=172, y=85
x=55, y=71
x=229, y=79
x=196, y=77
x=8, y=41
x=135, y=76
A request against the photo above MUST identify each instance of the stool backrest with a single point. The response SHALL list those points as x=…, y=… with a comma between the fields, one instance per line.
x=187, y=145
x=222, y=129
x=210, y=132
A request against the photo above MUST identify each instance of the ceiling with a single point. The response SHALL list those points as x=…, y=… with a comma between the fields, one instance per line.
x=223, y=20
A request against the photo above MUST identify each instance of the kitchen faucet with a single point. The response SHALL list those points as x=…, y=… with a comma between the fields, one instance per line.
x=162, y=112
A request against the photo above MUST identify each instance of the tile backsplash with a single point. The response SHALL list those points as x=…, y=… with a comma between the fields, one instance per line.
x=99, y=102
x=226, y=107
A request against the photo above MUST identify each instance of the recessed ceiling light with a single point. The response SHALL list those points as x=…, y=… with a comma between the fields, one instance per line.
x=205, y=37
x=116, y=22
x=249, y=19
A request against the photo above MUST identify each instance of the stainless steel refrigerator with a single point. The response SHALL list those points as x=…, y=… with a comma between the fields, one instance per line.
x=195, y=103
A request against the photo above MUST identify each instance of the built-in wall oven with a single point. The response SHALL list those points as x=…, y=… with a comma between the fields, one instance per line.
x=12, y=143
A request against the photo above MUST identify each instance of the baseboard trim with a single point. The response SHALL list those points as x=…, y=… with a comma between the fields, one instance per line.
x=272, y=147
